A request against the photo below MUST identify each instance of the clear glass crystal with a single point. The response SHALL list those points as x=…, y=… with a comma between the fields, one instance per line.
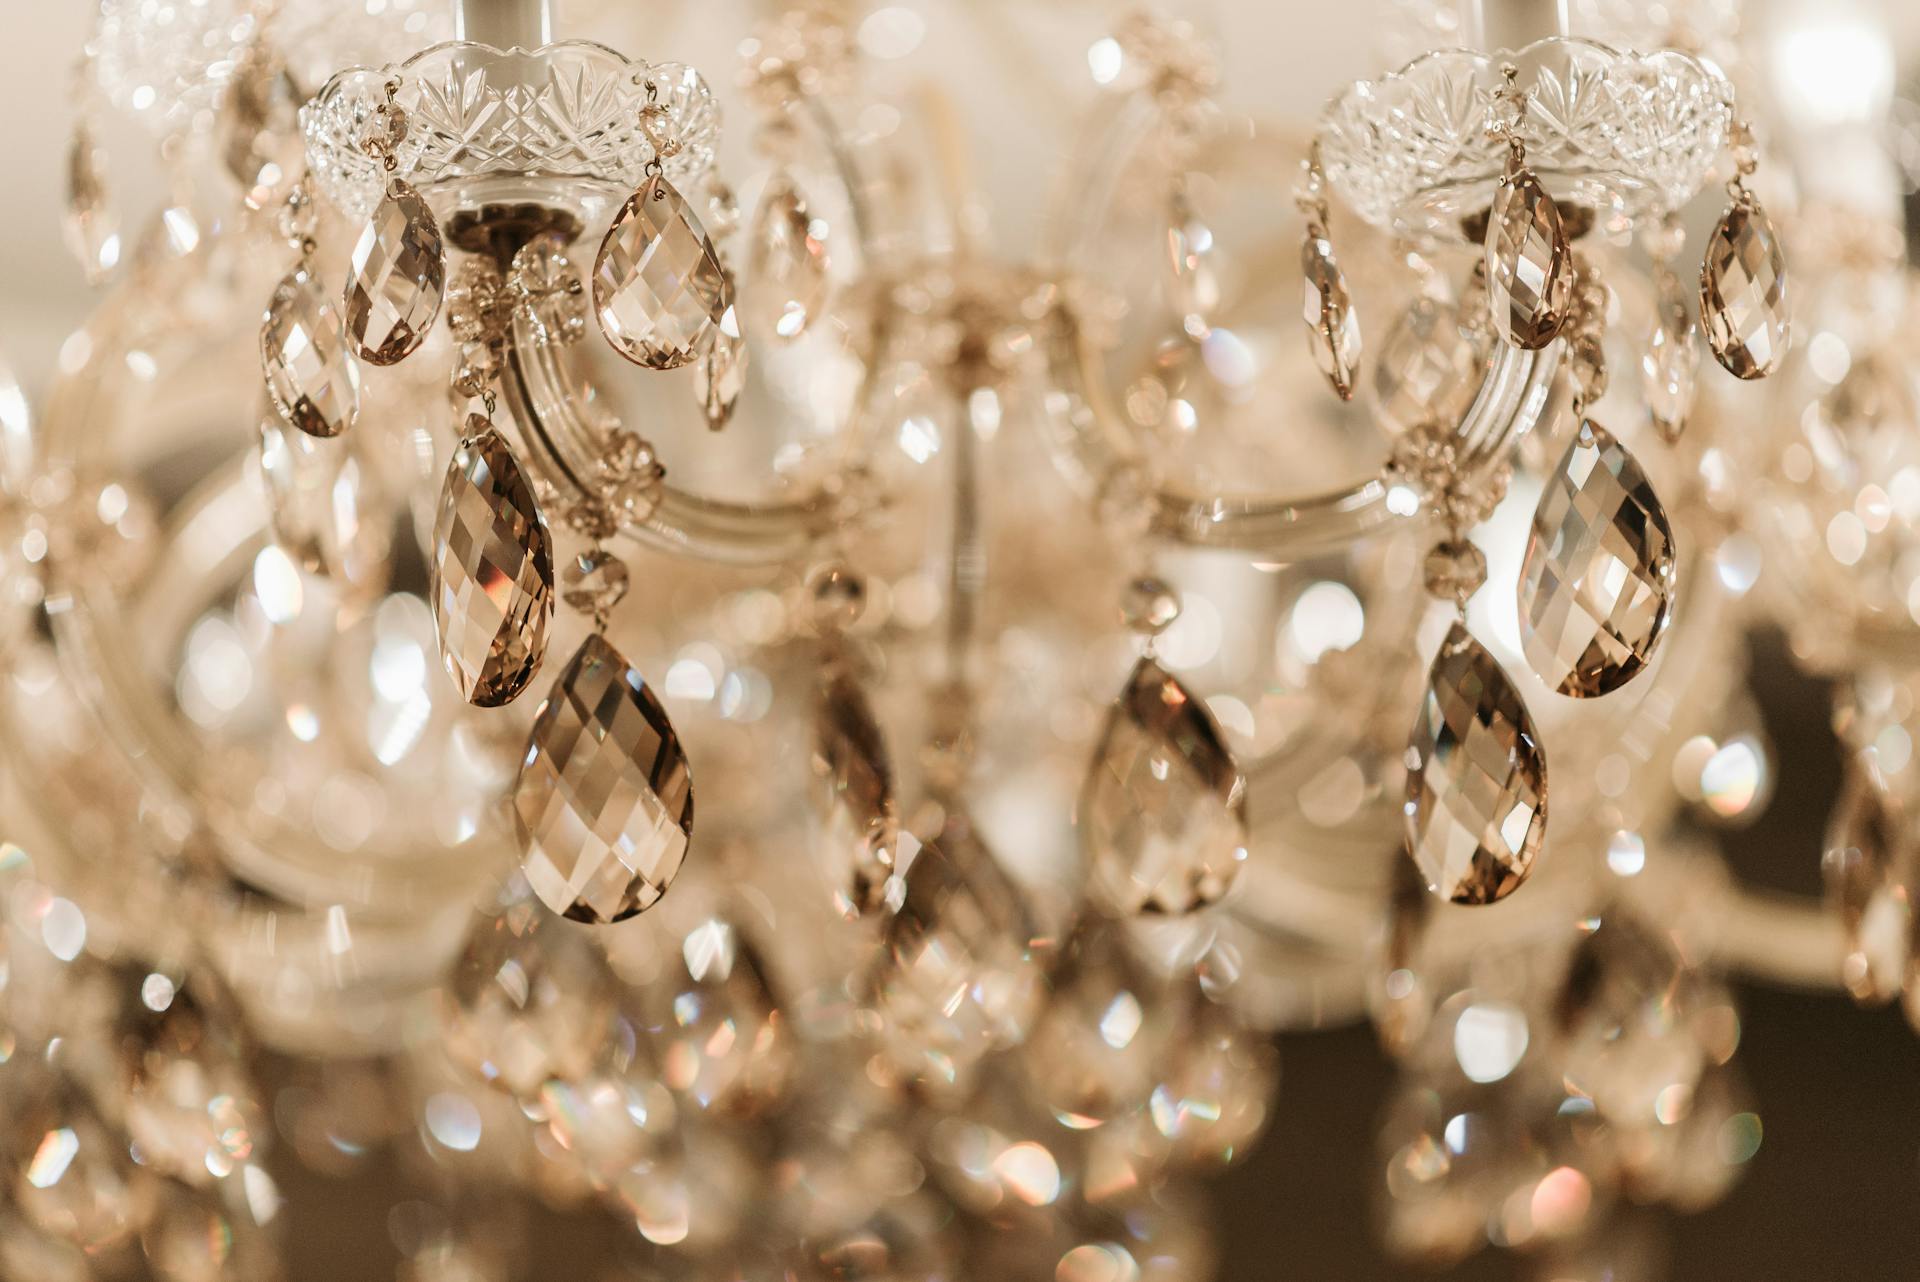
x=1333, y=328
x=658, y=285
x=788, y=268
x=1867, y=867
x=1668, y=371
x=1529, y=263
x=721, y=375
x=854, y=791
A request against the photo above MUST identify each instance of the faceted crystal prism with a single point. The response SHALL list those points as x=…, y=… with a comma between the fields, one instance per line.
x=716, y=1026
x=303, y=356
x=1667, y=372
x=1529, y=263
x=789, y=263
x=492, y=573
x=1743, y=292
x=397, y=278
x=1476, y=781
x=658, y=285
x=604, y=802
x=1597, y=584
x=1333, y=331
x=855, y=794
x=1866, y=867
x=1163, y=812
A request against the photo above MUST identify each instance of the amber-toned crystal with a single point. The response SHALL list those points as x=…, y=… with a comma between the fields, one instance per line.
x=1102, y=1039
x=860, y=828
x=1866, y=866
x=789, y=262
x=658, y=285
x=1333, y=330
x=1743, y=292
x=604, y=802
x=718, y=1034
x=492, y=572
x=397, y=278
x=303, y=355
x=1529, y=263
x=1476, y=780
x=1597, y=584
x=1163, y=812
x=720, y=375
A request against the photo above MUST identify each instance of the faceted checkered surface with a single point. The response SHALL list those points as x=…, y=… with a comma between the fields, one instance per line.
x=397, y=278
x=1597, y=584
x=1743, y=293
x=303, y=356
x=1333, y=331
x=1476, y=781
x=1529, y=263
x=657, y=284
x=1163, y=813
x=604, y=802
x=492, y=573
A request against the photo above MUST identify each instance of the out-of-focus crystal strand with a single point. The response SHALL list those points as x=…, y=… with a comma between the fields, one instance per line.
x=1333, y=327
x=1671, y=362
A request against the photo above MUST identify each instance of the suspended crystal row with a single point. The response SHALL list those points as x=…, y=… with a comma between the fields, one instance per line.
x=303, y=356
x=1597, y=583
x=860, y=828
x=93, y=231
x=1333, y=331
x=1476, y=780
x=1743, y=292
x=1866, y=867
x=604, y=802
x=658, y=285
x=492, y=573
x=1163, y=812
x=1667, y=371
x=789, y=262
x=397, y=278
x=721, y=375
x=1529, y=263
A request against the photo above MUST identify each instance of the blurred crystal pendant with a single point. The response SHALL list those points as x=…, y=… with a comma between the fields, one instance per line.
x=1743, y=292
x=1668, y=370
x=1333, y=330
x=1866, y=866
x=1597, y=583
x=1103, y=1036
x=718, y=1035
x=398, y=277
x=1400, y=994
x=1193, y=280
x=93, y=230
x=720, y=375
x=658, y=286
x=789, y=262
x=303, y=356
x=1429, y=367
x=1476, y=805
x=604, y=801
x=261, y=144
x=855, y=794
x=1162, y=814
x=329, y=512
x=1529, y=262
x=492, y=589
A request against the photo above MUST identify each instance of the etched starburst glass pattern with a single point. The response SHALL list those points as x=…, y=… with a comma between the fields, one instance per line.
x=1743, y=293
x=1529, y=263
x=303, y=356
x=1867, y=865
x=604, y=802
x=1163, y=812
x=1333, y=330
x=855, y=794
x=1597, y=584
x=1625, y=133
x=1476, y=807
x=492, y=573
x=396, y=280
x=789, y=264
x=658, y=285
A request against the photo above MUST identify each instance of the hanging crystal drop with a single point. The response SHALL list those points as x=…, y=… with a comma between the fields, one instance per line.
x=859, y=827
x=1429, y=367
x=1163, y=812
x=303, y=355
x=93, y=231
x=1104, y=1033
x=492, y=572
x=1333, y=330
x=718, y=1035
x=1865, y=868
x=1193, y=281
x=331, y=511
x=1743, y=292
x=1476, y=805
x=719, y=376
x=1529, y=263
x=262, y=145
x=658, y=285
x=789, y=263
x=604, y=802
x=1597, y=583
x=398, y=277
x=1668, y=371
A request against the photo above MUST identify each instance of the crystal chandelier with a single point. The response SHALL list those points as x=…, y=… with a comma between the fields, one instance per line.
x=1086, y=674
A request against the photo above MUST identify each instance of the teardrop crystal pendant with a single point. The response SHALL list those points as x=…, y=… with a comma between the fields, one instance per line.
x=1333, y=331
x=1193, y=281
x=604, y=801
x=492, y=572
x=1597, y=583
x=93, y=231
x=1529, y=263
x=1163, y=812
x=397, y=278
x=855, y=795
x=789, y=261
x=1476, y=780
x=303, y=356
x=1743, y=292
x=1667, y=371
x=658, y=286
x=721, y=375
x=1866, y=866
